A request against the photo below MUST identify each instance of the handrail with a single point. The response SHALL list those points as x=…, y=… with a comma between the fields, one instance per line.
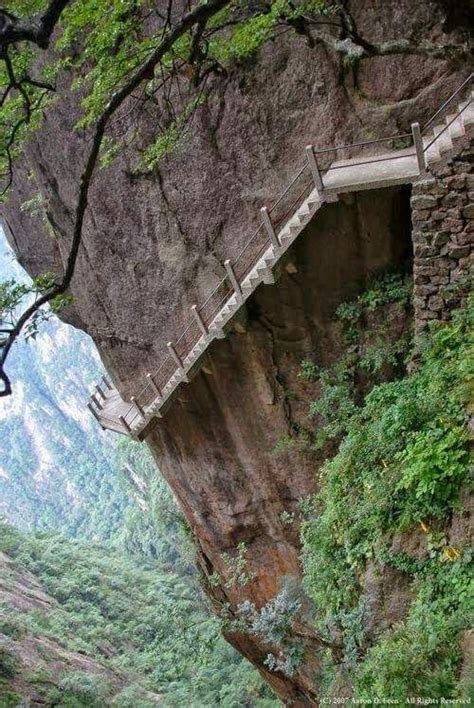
x=289, y=186
x=276, y=222
x=321, y=151
x=447, y=102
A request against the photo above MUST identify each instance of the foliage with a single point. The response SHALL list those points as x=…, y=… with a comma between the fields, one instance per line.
x=273, y=623
x=8, y=663
x=10, y=699
x=236, y=569
x=382, y=355
x=163, y=635
x=287, y=518
x=251, y=33
x=421, y=656
x=100, y=44
x=274, y=620
x=402, y=460
x=79, y=688
x=13, y=296
x=171, y=137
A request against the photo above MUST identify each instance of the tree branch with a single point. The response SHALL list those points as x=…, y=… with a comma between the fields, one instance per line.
x=37, y=30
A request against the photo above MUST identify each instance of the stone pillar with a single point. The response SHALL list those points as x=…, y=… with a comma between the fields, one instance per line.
x=443, y=240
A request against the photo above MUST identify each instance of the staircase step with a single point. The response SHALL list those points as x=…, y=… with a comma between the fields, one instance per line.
x=467, y=116
x=456, y=127
x=444, y=141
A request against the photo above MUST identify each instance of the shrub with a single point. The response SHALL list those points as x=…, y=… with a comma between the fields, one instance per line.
x=8, y=663
x=12, y=626
x=80, y=688
x=402, y=459
x=9, y=698
x=420, y=657
x=134, y=696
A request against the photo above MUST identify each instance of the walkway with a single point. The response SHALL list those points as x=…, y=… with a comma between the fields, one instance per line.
x=319, y=180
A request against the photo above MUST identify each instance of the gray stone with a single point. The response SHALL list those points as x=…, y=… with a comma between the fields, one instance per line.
x=420, y=215
x=456, y=182
x=466, y=262
x=463, y=238
x=453, y=214
x=452, y=225
x=440, y=279
x=427, y=289
x=468, y=211
x=456, y=274
x=435, y=302
x=426, y=315
x=454, y=199
x=424, y=201
x=456, y=251
x=440, y=239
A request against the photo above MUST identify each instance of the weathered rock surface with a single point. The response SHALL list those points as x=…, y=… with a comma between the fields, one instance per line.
x=154, y=245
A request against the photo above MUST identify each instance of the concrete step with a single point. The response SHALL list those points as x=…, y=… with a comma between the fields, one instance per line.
x=444, y=141
x=266, y=275
x=468, y=115
x=456, y=129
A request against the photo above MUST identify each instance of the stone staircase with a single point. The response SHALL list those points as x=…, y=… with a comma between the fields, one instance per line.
x=382, y=170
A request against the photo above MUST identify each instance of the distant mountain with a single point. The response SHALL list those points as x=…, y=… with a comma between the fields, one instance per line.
x=58, y=469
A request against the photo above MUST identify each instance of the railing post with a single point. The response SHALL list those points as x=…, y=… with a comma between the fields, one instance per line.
x=233, y=279
x=418, y=143
x=98, y=403
x=267, y=222
x=139, y=408
x=125, y=424
x=100, y=390
x=107, y=381
x=153, y=385
x=93, y=411
x=199, y=320
x=313, y=166
x=178, y=360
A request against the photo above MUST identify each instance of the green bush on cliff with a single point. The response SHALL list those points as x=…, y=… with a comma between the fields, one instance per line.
x=8, y=663
x=79, y=689
x=402, y=462
x=421, y=656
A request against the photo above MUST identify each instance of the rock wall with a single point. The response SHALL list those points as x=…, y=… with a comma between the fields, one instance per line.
x=443, y=234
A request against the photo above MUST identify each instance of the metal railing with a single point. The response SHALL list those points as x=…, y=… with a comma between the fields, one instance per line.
x=307, y=178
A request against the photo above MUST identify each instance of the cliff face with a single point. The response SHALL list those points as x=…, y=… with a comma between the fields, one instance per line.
x=218, y=445
x=154, y=245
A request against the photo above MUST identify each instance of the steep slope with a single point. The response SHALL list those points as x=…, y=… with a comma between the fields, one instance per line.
x=71, y=634
x=35, y=666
